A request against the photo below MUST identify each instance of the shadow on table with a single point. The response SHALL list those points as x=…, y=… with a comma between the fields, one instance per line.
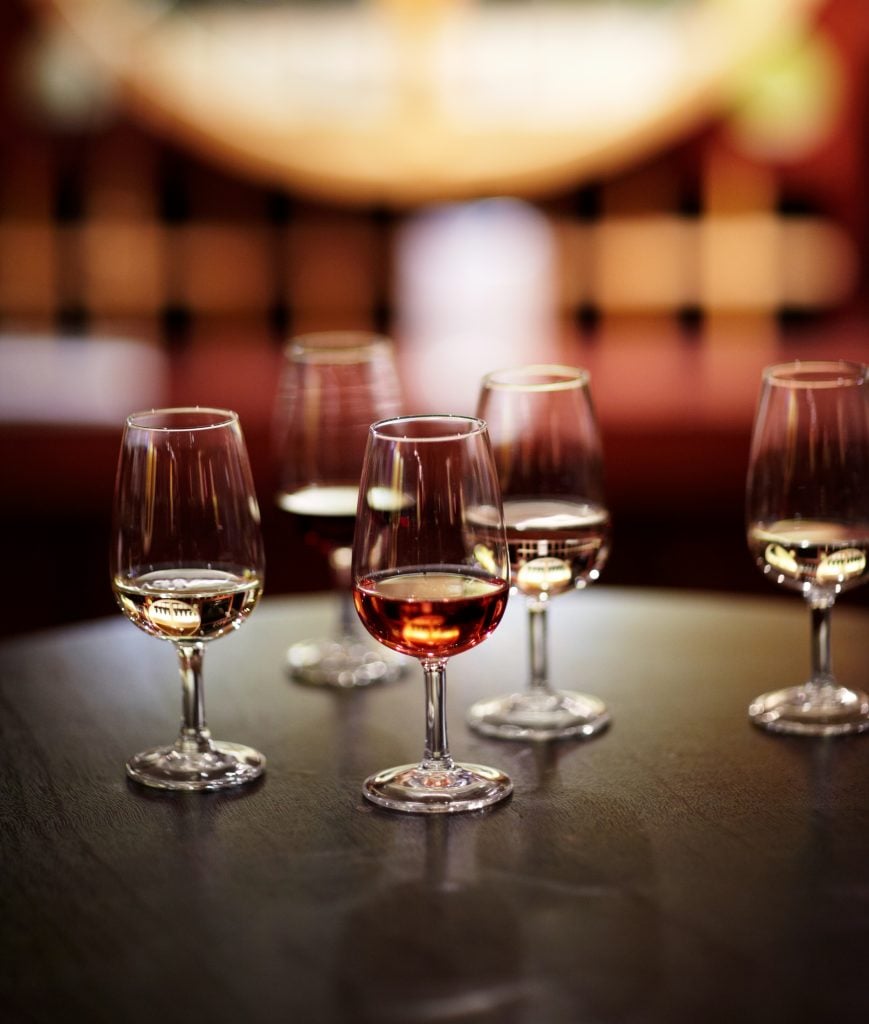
x=488, y=932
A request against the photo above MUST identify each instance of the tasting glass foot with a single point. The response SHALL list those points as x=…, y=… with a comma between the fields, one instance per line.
x=418, y=789
x=224, y=765
x=342, y=663
x=812, y=710
x=550, y=715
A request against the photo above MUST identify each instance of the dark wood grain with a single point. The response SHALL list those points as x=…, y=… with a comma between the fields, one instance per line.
x=683, y=866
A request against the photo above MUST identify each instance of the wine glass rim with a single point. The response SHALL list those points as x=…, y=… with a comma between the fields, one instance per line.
x=461, y=426
x=213, y=418
x=516, y=378
x=817, y=373
x=335, y=345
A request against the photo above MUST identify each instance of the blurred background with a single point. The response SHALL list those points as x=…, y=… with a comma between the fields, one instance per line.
x=670, y=193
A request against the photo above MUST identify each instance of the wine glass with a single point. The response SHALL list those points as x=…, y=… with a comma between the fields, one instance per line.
x=548, y=453
x=335, y=384
x=807, y=518
x=430, y=572
x=187, y=566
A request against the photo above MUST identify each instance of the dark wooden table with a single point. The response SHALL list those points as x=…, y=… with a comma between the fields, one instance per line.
x=683, y=866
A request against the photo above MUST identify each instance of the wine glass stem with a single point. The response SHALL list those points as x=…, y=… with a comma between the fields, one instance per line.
x=194, y=736
x=437, y=753
x=538, y=646
x=346, y=613
x=822, y=671
x=339, y=566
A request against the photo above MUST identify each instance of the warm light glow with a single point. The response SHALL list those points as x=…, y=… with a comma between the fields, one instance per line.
x=644, y=262
x=428, y=631
x=427, y=101
x=721, y=262
x=174, y=617
x=544, y=574
x=788, y=105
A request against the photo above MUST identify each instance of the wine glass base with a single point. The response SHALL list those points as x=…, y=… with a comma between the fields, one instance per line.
x=226, y=764
x=416, y=789
x=812, y=711
x=550, y=715
x=343, y=664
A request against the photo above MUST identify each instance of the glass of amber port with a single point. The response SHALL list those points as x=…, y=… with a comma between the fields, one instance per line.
x=547, y=450
x=807, y=520
x=187, y=567
x=334, y=385
x=430, y=579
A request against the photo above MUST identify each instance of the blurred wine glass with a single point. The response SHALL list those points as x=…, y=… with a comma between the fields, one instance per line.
x=430, y=573
x=807, y=511
x=547, y=449
x=334, y=385
x=187, y=566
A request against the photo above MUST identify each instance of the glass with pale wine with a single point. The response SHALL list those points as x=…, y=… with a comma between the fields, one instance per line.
x=807, y=512
x=334, y=385
x=187, y=566
x=547, y=449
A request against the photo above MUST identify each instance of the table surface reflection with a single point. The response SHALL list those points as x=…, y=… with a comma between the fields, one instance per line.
x=682, y=866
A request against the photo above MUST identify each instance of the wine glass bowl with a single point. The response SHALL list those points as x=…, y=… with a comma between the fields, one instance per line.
x=187, y=566
x=548, y=453
x=430, y=572
x=807, y=522
x=333, y=386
